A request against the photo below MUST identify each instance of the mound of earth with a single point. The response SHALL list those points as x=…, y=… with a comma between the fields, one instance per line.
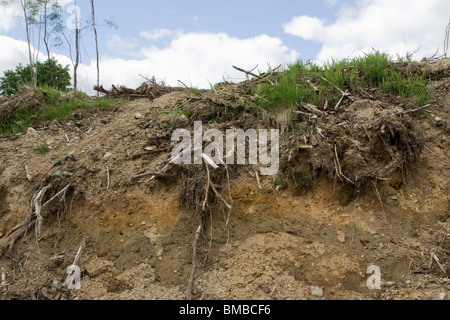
x=367, y=186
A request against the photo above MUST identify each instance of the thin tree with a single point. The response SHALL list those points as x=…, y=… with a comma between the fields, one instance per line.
x=77, y=49
x=96, y=45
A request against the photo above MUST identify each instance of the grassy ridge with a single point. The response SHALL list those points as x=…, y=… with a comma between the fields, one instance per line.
x=310, y=83
x=55, y=107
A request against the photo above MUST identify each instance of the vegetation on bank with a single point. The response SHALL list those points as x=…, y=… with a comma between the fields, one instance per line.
x=324, y=86
x=319, y=85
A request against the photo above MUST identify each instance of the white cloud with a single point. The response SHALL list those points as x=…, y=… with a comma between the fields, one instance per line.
x=194, y=58
x=332, y=2
x=13, y=52
x=157, y=34
x=393, y=26
x=122, y=46
x=12, y=13
x=8, y=16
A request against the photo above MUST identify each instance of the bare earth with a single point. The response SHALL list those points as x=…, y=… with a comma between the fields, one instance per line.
x=137, y=238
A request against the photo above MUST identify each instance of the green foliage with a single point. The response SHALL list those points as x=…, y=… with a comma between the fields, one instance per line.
x=42, y=149
x=54, y=108
x=278, y=181
x=59, y=160
x=301, y=83
x=177, y=115
x=60, y=175
x=13, y=79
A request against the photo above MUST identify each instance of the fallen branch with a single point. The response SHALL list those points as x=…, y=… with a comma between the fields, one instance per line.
x=263, y=77
x=413, y=110
x=257, y=179
x=248, y=73
x=345, y=94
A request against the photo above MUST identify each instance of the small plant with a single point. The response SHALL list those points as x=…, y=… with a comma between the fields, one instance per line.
x=42, y=149
x=195, y=91
x=59, y=160
x=60, y=175
x=177, y=115
x=278, y=181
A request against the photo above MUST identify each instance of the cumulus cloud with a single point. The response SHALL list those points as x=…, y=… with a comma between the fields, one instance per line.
x=195, y=58
x=393, y=26
x=13, y=52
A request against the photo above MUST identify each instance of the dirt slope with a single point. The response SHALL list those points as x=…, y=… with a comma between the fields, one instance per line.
x=137, y=238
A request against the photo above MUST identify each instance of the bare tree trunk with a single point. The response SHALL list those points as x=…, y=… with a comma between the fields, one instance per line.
x=96, y=46
x=47, y=47
x=24, y=5
x=77, y=50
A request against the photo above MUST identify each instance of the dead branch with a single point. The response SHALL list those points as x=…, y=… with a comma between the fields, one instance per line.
x=154, y=174
x=248, y=73
x=262, y=78
x=413, y=110
x=345, y=94
x=257, y=179
x=312, y=108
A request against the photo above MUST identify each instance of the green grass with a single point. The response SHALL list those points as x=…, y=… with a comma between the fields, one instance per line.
x=301, y=83
x=54, y=108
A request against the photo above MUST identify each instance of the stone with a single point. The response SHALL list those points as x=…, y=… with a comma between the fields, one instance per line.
x=341, y=238
x=316, y=291
x=107, y=155
x=32, y=132
x=138, y=116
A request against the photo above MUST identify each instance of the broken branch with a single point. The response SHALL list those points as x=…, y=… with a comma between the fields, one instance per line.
x=413, y=110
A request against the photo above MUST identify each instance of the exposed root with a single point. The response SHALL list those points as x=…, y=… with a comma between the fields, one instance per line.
x=34, y=219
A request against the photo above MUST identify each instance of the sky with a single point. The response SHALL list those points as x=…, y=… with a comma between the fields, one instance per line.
x=199, y=41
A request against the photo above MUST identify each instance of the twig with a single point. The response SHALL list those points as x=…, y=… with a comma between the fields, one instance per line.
x=194, y=263
x=249, y=73
x=256, y=76
x=107, y=172
x=313, y=86
x=257, y=179
x=329, y=82
x=154, y=174
x=183, y=84
x=439, y=263
x=413, y=110
x=344, y=95
x=27, y=172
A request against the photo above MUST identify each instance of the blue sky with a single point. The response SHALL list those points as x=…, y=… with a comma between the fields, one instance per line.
x=198, y=41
